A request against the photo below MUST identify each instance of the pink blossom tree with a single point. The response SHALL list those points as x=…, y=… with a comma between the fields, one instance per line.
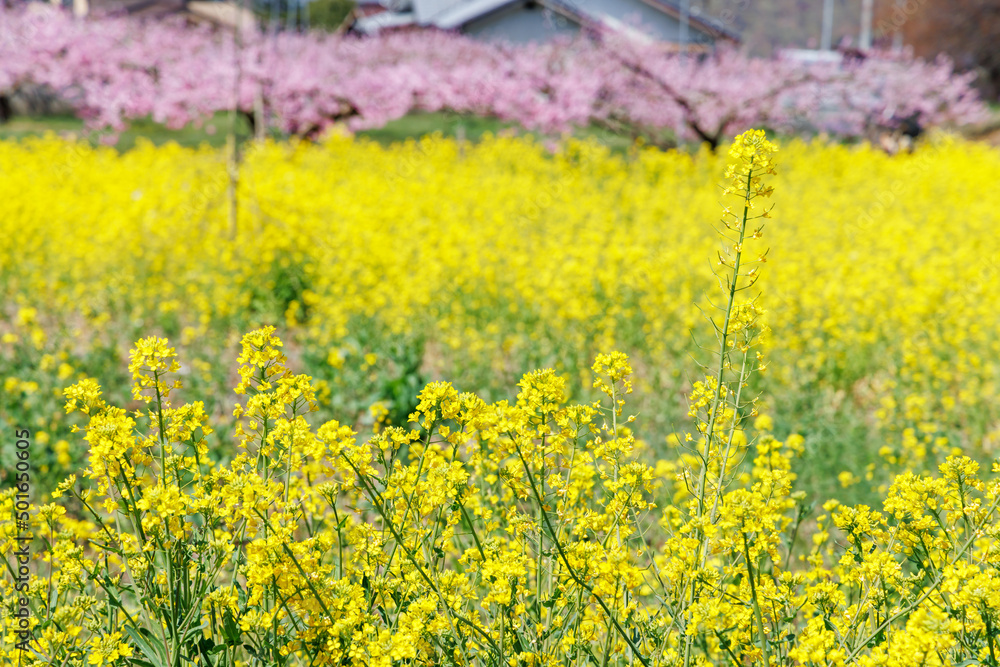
x=115, y=69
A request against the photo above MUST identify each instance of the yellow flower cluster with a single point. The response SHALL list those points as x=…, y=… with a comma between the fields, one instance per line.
x=392, y=266
x=495, y=534
x=534, y=531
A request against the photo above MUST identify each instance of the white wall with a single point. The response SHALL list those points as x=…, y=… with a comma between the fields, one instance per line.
x=426, y=9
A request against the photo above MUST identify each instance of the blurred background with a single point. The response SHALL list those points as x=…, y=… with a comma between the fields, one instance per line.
x=825, y=31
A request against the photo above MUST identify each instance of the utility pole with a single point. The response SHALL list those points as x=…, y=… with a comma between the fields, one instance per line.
x=826, y=39
x=897, y=36
x=865, y=43
x=685, y=19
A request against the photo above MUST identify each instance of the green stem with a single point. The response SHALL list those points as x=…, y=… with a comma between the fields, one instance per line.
x=723, y=350
x=413, y=492
x=725, y=457
x=989, y=636
x=340, y=541
x=860, y=646
x=717, y=398
x=420, y=570
x=569, y=568
x=756, y=604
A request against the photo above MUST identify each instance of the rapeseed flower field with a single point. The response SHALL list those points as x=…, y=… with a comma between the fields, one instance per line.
x=663, y=494
x=385, y=268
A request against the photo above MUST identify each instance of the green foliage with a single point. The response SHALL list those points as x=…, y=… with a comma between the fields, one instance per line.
x=329, y=14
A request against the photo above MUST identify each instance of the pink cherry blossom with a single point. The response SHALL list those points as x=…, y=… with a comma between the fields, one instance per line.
x=116, y=69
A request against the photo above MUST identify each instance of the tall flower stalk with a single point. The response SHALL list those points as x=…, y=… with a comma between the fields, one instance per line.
x=719, y=402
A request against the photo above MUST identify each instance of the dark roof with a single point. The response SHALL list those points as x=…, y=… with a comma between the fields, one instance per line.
x=707, y=24
x=373, y=15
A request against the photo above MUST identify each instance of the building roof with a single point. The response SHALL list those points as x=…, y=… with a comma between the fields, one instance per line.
x=373, y=23
x=454, y=14
x=395, y=5
x=458, y=14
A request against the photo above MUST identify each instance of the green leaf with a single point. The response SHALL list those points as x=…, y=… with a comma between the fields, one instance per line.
x=230, y=630
x=207, y=648
x=194, y=635
x=148, y=644
x=548, y=604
